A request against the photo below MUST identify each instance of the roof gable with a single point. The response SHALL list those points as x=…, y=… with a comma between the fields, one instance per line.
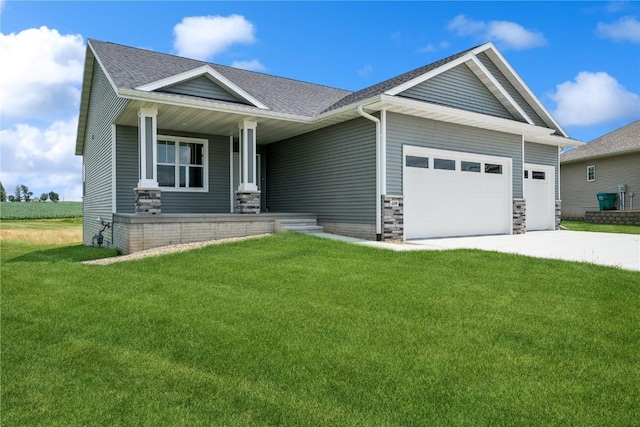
x=220, y=88
x=470, y=93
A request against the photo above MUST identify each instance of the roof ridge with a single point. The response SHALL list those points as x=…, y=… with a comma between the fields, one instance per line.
x=218, y=65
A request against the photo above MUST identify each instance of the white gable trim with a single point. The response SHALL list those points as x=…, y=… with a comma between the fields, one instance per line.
x=496, y=89
x=428, y=75
x=530, y=97
x=209, y=72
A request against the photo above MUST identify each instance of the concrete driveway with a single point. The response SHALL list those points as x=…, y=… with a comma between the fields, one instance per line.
x=618, y=250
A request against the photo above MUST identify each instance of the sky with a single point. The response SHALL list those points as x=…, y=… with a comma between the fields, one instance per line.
x=581, y=59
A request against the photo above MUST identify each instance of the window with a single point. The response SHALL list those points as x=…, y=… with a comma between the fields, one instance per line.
x=181, y=163
x=470, y=166
x=537, y=175
x=492, y=168
x=417, y=162
x=444, y=164
x=591, y=173
x=526, y=174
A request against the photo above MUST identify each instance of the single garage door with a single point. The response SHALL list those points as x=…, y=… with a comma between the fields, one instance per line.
x=450, y=193
x=539, y=193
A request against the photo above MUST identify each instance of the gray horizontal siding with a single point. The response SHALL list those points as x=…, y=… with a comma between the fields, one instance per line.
x=511, y=90
x=104, y=107
x=405, y=130
x=579, y=195
x=202, y=87
x=214, y=201
x=458, y=88
x=329, y=172
x=541, y=154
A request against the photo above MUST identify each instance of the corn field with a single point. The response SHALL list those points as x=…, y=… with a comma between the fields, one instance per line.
x=35, y=210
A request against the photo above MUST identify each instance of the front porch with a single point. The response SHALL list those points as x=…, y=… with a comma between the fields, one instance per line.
x=132, y=233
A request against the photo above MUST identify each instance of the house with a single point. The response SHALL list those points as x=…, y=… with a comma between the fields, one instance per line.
x=177, y=150
x=601, y=166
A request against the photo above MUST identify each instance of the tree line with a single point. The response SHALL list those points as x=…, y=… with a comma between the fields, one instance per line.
x=22, y=193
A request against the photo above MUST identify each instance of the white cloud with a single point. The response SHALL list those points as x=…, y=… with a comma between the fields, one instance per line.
x=202, y=37
x=42, y=159
x=626, y=28
x=44, y=75
x=253, y=65
x=432, y=47
x=508, y=35
x=594, y=98
x=365, y=71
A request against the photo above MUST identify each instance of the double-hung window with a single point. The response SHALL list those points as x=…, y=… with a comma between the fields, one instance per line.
x=182, y=164
x=591, y=173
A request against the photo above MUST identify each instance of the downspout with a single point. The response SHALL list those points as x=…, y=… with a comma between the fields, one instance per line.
x=378, y=174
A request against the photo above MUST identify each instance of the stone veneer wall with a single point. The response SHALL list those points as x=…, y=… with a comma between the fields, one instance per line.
x=392, y=217
x=519, y=216
x=613, y=217
x=147, y=201
x=247, y=202
x=558, y=213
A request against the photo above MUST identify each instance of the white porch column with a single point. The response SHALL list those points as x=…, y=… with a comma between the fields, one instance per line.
x=247, y=195
x=147, y=139
x=248, y=177
x=147, y=193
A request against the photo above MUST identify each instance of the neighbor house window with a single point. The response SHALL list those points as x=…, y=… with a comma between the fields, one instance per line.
x=591, y=173
x=182, y=163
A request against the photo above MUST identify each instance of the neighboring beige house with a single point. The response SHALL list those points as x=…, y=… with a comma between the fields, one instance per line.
x=601, y=166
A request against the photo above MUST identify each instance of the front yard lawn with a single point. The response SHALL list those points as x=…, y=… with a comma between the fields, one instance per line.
x=600, y=228
x=297, y=330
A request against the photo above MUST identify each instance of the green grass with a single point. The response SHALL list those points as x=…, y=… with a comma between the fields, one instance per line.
x=41, y=210
x=297, y=330
x=600, y=228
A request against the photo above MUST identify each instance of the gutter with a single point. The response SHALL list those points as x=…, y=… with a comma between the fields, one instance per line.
x=378, y=171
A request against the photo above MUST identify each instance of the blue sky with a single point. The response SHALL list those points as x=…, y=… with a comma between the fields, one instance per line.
x=582, y=59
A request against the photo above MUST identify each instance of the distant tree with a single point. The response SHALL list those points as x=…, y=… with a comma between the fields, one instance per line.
x=26, y=194
x=3, y=194
x=11, y=198
x=44, y=197
x=53, y=196
x=18, y=194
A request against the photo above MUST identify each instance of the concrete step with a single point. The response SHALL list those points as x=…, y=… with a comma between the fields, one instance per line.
x=306, y=224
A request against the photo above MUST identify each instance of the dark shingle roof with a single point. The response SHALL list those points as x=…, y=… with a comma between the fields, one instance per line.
x=131, y=67
x=624, y=139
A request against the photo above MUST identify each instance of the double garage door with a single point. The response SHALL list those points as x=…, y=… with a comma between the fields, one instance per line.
x=450, y=193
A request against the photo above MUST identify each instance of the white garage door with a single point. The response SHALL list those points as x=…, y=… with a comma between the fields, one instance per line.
x=450, y=193
x=539, y=193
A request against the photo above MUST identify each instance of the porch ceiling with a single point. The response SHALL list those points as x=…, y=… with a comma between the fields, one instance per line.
x=210, y=122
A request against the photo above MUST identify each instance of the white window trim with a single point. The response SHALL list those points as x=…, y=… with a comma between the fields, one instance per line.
x=205, y=163
x=594, y=173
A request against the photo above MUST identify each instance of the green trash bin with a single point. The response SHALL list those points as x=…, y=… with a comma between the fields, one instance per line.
x=607, y=201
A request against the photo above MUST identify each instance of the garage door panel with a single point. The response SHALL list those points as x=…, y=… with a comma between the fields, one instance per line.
x=440, y=203
x=539, y=193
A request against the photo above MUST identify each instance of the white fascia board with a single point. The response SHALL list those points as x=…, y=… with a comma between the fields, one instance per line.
x=204, y=104
x=498, y=91
x=528, y=95
x=426, y=76
x=104, y=69
x=532, y=133
x=208, y=71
